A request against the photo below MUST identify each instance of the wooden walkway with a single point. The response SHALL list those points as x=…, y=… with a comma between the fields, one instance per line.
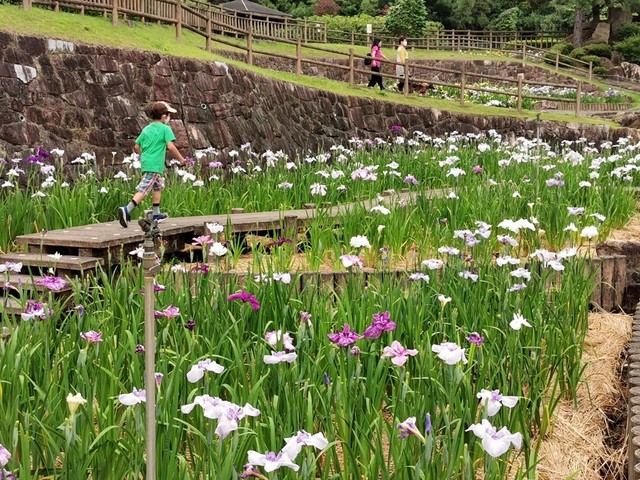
x=108, y=243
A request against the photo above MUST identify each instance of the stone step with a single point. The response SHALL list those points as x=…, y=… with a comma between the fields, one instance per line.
x=66, y=263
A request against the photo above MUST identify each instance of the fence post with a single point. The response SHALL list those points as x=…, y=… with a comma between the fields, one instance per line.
x=557, y=60
x=590, y=71
x=114, y=13
x=453, y=40
x=26, y=4
x=463, y=77
x=468, y=39
x=524, y=52
x=178, y=20
x=520, y=78
x=298, y=57
x=324, y=33
x=490, y=40
x=578, y=94
x=250, y=46
x=305, y=31
x=352, y=73
x=405, y=89
x=353, y=38
x=208, y=45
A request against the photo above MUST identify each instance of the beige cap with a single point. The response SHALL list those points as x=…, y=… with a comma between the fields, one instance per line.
x=160, y=108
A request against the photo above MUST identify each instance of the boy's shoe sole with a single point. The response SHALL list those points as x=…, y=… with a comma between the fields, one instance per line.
x=161, y=217
x=123, y=216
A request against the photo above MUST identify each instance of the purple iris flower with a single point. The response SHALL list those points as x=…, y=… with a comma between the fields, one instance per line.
x=381, y=323
x=475, y=338
x=245, y=296
x=190, y=325
x=344, y=338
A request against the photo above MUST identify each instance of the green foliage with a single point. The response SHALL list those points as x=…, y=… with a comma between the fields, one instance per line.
x=625, y=31
x=356, y=23
x=600, y=70
x=594, y=59
x=564, y=48
x=598, y=49
x=629, y=48
x=369, y=7
x=407, y=17
x=507, y=20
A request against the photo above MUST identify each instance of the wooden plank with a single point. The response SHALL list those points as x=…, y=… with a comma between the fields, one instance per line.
x=608, y=292
x=65, y=262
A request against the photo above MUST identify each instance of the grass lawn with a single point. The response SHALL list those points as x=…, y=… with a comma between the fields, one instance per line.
x=95, y=29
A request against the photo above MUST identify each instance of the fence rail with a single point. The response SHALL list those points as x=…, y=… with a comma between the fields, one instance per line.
x=207, y=20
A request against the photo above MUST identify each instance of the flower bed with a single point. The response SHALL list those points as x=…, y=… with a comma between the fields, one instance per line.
x=447, y=373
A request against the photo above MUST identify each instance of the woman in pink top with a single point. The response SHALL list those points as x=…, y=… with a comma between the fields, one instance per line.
x=376, y=54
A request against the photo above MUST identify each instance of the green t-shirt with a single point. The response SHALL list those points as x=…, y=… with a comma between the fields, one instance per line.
x=153, y=145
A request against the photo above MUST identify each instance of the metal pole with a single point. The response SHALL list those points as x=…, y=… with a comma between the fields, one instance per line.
x=149, y=267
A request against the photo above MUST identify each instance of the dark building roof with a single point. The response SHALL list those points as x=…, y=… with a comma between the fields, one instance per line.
x=245, y=6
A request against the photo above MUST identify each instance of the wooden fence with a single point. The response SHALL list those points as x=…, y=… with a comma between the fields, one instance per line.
x=207, y=21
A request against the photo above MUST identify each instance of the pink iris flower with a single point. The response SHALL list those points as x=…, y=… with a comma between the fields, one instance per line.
x=398, y=354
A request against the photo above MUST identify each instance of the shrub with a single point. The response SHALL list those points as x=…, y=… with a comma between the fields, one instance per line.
x=563, y=48
x=625, y=31
x=598, y=49
x=506, y=20
x=594, y=59
x=578, y=53
x=629, y=48
x=600, y=71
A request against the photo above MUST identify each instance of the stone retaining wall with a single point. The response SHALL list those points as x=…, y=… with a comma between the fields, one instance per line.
x=58, y=94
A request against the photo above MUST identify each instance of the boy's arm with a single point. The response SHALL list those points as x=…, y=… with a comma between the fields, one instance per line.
x=136, y=148
x=175, y=152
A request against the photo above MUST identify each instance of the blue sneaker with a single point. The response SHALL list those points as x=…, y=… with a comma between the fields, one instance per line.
x=123, y=216
x=160, y=217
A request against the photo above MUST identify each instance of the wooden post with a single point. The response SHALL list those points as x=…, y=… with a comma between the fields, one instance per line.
x=578, y=95
x=557, y=60
x=453, y=40
x=305, y=31
x=250, y=47
x=353, y=38
x=520, y=78
x=405, y=90
x=596, y=268
x=324, y=33
x=590, y=71
x=208, y=30
x=114, y=13
x=608, y=294
x=463, y=75
x=298, y=57
x=352, y=73
x=524, y=52
x=178, y=20
x=619, y=279
x=468, y=39
x=26, y=4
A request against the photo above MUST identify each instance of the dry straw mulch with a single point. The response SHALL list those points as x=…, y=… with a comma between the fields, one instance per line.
x=579, y=445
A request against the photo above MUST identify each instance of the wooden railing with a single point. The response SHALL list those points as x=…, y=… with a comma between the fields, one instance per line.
x=206, y=21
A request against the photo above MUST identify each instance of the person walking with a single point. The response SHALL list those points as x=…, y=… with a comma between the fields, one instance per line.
x=376, y=55
x=152, y=145
x=401, y=60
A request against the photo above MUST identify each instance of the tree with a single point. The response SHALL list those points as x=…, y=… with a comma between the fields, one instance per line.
x=326, y=7
x=407, y=17
x=369, y=7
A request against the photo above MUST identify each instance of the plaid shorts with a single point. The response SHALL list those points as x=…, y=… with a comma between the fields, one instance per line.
x=150, y=180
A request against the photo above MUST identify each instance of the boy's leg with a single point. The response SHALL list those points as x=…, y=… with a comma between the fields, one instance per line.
x=156, y=197
x=143, y=188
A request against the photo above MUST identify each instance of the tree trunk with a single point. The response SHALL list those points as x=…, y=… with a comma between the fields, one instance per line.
x=577, y=26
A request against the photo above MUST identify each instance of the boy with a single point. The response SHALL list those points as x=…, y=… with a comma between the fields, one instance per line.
x=152, y=145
